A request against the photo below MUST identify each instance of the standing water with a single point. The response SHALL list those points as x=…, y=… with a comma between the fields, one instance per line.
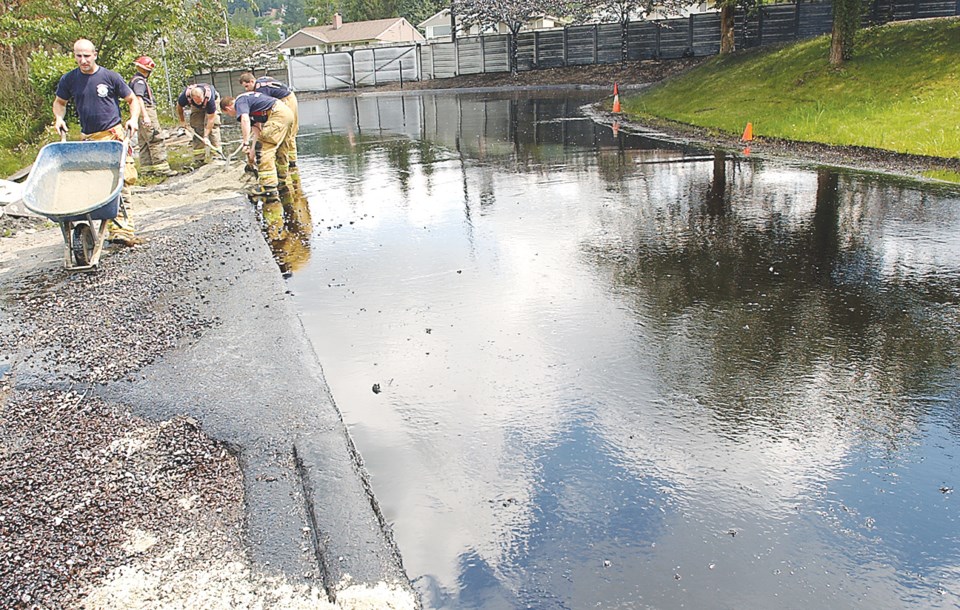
x=588, y=369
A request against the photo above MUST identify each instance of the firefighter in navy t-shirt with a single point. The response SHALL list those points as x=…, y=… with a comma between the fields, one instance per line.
x=275, y=121
x=275, y=88
x=204, y=117
x=97, y=92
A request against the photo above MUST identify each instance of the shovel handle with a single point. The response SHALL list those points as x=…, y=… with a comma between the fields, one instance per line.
x=206, y=141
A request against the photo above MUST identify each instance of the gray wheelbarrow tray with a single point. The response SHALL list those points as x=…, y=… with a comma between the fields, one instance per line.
x=76, y=184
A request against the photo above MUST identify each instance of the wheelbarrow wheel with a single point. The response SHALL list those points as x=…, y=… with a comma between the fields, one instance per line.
x=83, y=244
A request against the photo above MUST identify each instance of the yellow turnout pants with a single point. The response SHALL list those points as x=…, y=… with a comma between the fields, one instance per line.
x=119, y=228
x=291, y=102
x=275, y=145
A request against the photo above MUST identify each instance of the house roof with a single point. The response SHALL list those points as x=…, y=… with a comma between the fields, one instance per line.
x=440, y=18
x=353, y=31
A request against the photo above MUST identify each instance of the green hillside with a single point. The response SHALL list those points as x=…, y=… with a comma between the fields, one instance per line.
x=900, y=92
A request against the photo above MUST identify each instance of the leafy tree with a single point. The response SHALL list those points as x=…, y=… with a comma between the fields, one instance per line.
x=321, y=11
x=112, y=25
x=270, y=32
x=243, y=18
x=513, y=13
x=295, y=15
x=623, y=12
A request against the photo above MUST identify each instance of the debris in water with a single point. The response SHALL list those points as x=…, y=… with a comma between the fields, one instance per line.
x=376, y=388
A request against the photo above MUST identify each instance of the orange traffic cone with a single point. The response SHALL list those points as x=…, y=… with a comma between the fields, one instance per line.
x=616, y=98
x=747, y=133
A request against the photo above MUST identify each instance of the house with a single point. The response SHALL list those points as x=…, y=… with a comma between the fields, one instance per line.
x=339, y=35
x=438, y=26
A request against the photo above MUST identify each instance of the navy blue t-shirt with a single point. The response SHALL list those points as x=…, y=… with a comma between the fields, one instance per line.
x=141, y=89
x=256, y=104
x=209, y=104
x=271, y=87
x=97, y=97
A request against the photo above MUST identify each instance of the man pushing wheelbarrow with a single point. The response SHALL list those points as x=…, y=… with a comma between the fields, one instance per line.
x=96, y=92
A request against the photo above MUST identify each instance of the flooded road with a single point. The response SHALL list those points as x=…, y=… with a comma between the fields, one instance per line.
x=595, y=370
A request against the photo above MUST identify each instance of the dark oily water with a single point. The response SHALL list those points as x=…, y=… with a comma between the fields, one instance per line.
x=588, y=369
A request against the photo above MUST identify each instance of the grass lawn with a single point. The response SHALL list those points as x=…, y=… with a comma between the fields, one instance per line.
x=900, y=92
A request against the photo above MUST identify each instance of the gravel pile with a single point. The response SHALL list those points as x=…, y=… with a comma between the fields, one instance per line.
x=100, y=508
x=86, y=488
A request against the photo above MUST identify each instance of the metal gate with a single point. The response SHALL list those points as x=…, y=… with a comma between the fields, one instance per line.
x=357, y=68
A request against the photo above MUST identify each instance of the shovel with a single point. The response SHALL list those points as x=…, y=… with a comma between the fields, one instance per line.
x=219, y=151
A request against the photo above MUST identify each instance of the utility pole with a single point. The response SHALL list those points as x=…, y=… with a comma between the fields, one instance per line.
x=166, y=71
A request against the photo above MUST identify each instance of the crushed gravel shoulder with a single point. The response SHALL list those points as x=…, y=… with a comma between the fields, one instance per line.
x=167, y=438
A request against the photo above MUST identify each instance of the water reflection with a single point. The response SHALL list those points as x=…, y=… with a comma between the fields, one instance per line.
x=287, y=226
x=630, y=373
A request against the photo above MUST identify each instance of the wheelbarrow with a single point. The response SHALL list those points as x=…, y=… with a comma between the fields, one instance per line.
x=77, y=184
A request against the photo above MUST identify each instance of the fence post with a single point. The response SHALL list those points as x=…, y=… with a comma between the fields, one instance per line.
x=456, y=57
x=564, y=46
x=796, y=21
x=483, y=55
x=536, y=50
x=323, y=70
x=760, y=27
x=659, y=52
x=916, y=8
x=374, y=55
x=690, y=34
x=596, y=42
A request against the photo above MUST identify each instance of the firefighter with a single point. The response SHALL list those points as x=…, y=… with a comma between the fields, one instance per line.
x=274, y=88
x=96, y=92
x=275, y=121
x=153, y=150
x=203, y=100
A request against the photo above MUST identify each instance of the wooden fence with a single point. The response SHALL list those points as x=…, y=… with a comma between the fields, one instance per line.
x=697, y=35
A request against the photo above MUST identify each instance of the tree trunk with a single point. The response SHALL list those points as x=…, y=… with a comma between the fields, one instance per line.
x=846, y=22
x=514, y=50
x=836, y=47
x=727, y=38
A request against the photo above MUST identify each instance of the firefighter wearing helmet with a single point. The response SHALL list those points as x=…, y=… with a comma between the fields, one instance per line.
x=153, y=150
